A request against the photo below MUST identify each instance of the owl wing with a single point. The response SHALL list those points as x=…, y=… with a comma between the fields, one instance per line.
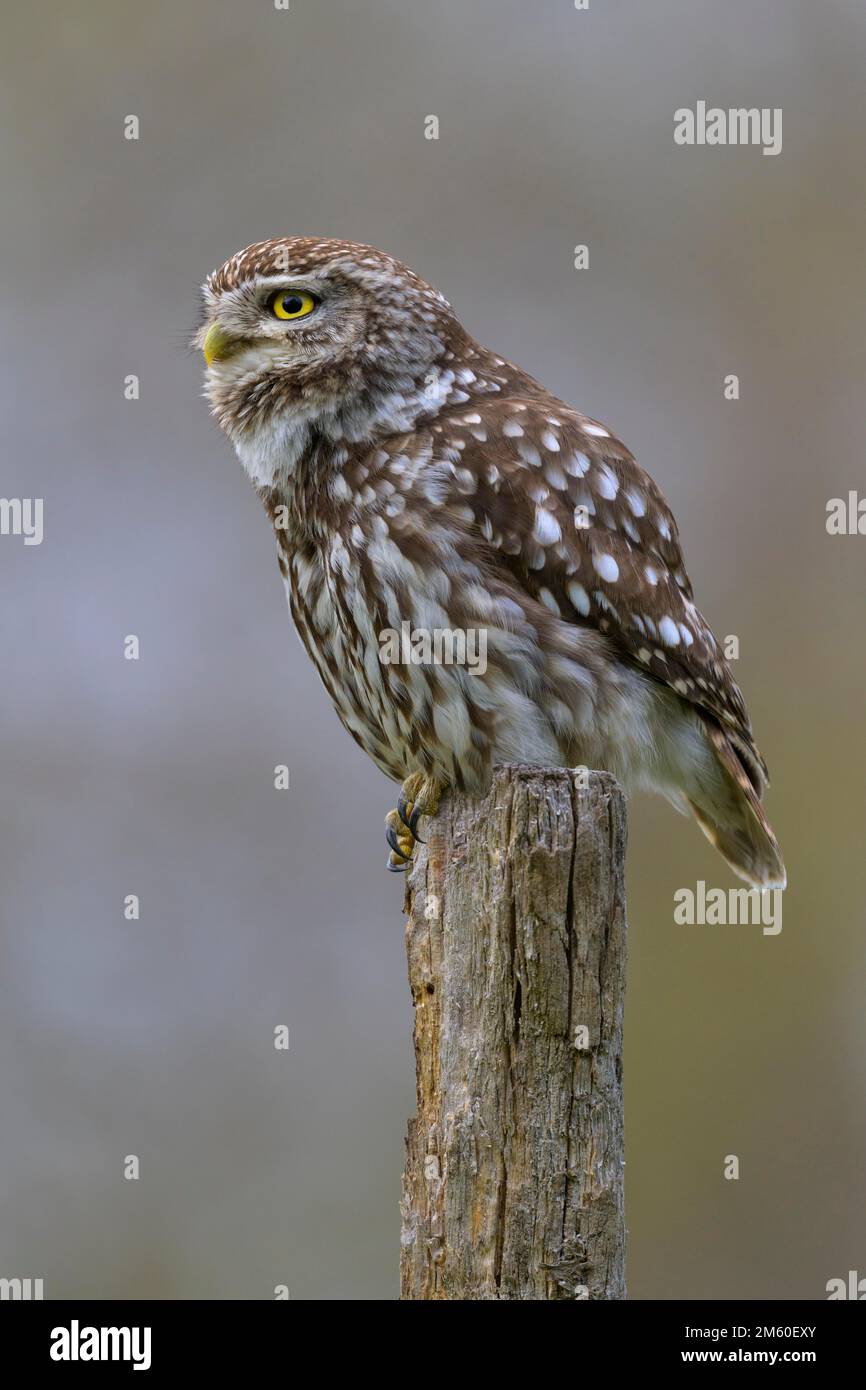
x=564, y=506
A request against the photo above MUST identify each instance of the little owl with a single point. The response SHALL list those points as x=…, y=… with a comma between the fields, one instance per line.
x=416, y=478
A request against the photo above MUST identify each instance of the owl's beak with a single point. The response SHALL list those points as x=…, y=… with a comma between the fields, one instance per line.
x=217, y=345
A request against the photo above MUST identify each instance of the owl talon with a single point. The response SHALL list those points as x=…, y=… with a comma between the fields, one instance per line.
x=394, y=842
x=419, y=796
x=410, y=814
x=395, y=865
x=404, y=808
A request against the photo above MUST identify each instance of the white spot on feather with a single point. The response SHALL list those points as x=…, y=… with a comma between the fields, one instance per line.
x=547, y=530
x=579, y=597
x=636, y=503
x=554, y=474
x=529, y=454
x=607, y=484
x=606, y=567
x=577, y=464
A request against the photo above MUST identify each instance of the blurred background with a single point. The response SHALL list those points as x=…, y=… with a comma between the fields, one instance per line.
x=155, y=777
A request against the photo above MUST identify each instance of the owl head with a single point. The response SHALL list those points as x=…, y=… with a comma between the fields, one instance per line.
x=316, y=328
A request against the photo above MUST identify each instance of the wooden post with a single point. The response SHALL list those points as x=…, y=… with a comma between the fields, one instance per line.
x=516, y=942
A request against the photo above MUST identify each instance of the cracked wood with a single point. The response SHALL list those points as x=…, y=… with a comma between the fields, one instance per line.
x=516, y=941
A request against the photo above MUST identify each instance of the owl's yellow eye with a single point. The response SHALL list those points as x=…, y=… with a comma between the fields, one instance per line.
x=292, y=304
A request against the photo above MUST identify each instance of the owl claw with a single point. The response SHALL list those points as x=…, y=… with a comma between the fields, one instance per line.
x=419, y=796
x=410, y=814
x=394, y=839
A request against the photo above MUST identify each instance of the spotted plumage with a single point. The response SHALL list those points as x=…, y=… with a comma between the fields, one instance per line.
x=413, y=476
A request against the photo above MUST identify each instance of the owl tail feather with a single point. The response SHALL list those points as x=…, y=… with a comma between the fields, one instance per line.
x=728, y=809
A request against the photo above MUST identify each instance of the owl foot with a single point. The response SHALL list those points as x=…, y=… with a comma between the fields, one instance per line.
x=419, y=796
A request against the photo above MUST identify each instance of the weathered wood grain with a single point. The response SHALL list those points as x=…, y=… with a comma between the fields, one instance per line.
x=516, y=940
